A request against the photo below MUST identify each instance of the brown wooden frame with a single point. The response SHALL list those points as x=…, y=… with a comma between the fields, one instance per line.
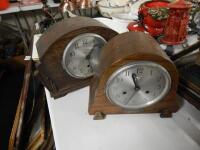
x=51, y=46
x=123, y=49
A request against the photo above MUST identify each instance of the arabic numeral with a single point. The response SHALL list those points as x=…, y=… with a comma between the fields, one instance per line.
x=71, y=54
x=159, y=86
x=73, y=68
x=140, y=70
x=127, y=73
x=85, y=42
x=159, y=79
x=76, y=45
x=118, y=79
x=151, y=72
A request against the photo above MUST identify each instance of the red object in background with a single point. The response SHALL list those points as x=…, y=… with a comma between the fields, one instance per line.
x=4, y=4
x=147, y=22
x=175, y=31
x=155, y=32
x=147, y=19
x=135, y=26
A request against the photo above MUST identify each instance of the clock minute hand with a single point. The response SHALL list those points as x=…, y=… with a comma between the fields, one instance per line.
x=90, y=53
x=134, y=77
x=137, y=88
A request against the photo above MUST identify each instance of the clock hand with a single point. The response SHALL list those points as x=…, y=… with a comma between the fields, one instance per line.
x=137, y=88
x=134, y=77
x=129, y=99
x=92, y=56
x=88, y=56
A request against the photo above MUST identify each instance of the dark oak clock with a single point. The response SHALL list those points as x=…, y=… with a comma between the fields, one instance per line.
x=66, y=53
x=137, y=78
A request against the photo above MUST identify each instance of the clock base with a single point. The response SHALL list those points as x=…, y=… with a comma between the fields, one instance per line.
x=166, y=114
x=100, y=106
x=99, y=116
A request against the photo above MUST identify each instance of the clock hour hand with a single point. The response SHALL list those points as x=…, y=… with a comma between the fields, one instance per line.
x=88, y=56
x=137, y=88
x=95, y=47
x=134, y=77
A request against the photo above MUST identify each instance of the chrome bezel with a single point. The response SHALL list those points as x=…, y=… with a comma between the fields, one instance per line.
x=70, y=44
x=130, y=65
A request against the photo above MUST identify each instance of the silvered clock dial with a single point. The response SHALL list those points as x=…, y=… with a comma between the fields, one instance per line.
x=77, y=55
x=138, y=85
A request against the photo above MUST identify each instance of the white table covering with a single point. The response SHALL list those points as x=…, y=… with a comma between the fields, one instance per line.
x=75, y=129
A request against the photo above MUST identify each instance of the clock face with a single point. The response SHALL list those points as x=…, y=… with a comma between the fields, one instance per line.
x=77, y=55
x=138, y=85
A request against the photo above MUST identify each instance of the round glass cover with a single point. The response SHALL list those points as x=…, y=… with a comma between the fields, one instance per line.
x=77, y=55
x=138, y=85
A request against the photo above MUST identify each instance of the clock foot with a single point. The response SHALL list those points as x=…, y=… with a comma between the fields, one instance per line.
x=99, y=116
x=166, y=114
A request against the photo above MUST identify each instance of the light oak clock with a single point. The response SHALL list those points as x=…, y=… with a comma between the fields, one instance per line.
x=138, y=77
x=66, y=53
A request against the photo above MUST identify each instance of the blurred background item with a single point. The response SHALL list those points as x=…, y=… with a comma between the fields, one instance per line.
x=4, y=4
x=85, y=4
x=152, y=17
x=72, y=8
x=108, y=7
x=175, y=31
x=28, y=2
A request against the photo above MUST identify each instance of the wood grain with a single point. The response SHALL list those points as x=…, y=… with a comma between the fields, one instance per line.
x=121, y=50
x=51, y=46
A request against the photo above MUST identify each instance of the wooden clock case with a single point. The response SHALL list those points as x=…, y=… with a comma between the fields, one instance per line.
x=122, y=49
x=51, y=46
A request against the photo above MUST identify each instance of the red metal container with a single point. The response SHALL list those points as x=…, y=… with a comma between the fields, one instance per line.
x=147, y=22
x=155, y=32
x=4, y=4
x=135, y=26
x=175, y=31
x=147, y=19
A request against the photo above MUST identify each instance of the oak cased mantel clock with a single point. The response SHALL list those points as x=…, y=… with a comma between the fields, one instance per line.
x=66, y=53
x=138, y=77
